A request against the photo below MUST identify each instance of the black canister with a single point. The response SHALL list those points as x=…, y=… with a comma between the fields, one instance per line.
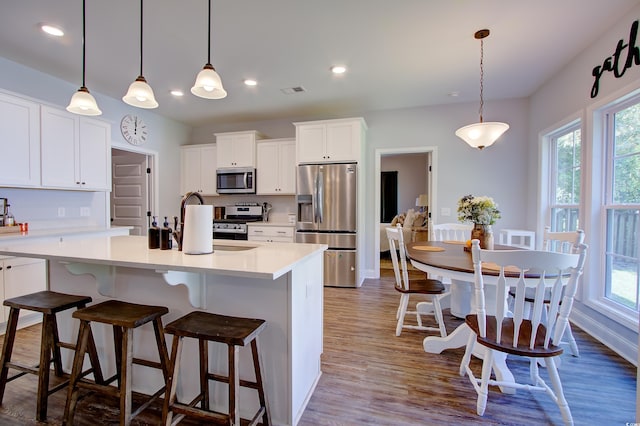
x=165, y=236
x=154, y=235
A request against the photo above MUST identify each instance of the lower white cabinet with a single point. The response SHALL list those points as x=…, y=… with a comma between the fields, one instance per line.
x=20, y=276
x=277, y=234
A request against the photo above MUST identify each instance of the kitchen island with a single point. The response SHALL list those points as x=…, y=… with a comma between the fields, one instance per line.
x=278, y=282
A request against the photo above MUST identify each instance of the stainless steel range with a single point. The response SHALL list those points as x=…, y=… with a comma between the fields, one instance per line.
x=234, y=224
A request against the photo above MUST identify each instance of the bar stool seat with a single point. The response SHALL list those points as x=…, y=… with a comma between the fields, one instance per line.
x=124, y=317
x=48, y=303
x=234, y=332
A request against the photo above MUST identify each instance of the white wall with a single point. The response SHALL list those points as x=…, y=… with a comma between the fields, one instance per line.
x=412, y=177
x=565, y=95
x=165, y=137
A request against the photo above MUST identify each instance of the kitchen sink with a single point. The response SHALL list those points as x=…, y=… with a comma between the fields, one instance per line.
x=222, y=247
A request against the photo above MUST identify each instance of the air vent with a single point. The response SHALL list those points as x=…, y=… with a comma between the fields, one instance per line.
x=292, y=90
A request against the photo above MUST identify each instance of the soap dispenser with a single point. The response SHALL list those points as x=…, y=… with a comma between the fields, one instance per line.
x=165, y=235
x=154, y=235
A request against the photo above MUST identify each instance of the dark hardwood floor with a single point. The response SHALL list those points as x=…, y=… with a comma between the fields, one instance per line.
x=370, y=376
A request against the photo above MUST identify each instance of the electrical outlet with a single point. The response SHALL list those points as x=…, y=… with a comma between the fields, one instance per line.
x=85, y=211
x=445, y=211
x=62, y=212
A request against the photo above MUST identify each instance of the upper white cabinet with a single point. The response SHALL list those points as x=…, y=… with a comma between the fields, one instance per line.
x=276, y=167
x=198, y=169
x=75, y=151
x=237, y=149
x=330, y=141
x=19, y=142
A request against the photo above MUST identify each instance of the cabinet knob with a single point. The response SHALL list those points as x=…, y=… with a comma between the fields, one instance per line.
x=77, y=183
x=84, y=183
x=9, y=267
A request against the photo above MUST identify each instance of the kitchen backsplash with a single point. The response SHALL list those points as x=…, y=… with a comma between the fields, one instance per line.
x=282, y=205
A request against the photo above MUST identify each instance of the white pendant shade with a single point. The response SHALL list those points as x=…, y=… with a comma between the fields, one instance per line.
x=140, y=94
x=83, y=103
x=208, y=84
x=481, y=135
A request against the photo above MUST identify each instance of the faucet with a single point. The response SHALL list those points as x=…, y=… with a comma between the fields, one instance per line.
x=178, y=235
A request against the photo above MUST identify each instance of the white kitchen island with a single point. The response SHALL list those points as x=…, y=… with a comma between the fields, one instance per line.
x=278, y=282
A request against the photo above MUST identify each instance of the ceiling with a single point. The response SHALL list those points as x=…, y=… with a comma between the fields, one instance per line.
x=403, y=53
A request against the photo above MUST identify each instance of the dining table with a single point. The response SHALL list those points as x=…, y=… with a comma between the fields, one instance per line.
x=449, y=259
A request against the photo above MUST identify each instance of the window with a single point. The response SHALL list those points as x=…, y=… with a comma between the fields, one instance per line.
x=564, y=178
x=622, y=204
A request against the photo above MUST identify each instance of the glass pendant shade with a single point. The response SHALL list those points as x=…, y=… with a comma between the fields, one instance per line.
x=83, y=103
x=208, y=84
x=140, y=94
x=483, y=134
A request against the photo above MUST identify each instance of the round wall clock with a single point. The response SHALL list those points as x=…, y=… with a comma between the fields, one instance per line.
x=134, y=129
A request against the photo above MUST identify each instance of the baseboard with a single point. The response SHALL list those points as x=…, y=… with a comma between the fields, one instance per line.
x=614, y=341
x=25, y=321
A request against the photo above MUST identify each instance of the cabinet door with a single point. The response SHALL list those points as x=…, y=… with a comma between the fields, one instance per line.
x=343, y=141
x=311, y=143
x=208, y=170
x=95, y=154
x=287, y=168
x=236, y=150
x=189, y=170
x=23, y=276
x=19, y=141
x=267, y=168
x=59, y=148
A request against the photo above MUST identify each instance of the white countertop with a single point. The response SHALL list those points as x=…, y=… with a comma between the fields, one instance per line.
x=266, y=260
x=62, y=232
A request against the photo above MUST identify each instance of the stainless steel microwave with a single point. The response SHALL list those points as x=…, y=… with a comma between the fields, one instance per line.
x=237, y=180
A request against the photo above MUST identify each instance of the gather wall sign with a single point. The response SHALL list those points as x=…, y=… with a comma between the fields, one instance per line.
x=616, y=63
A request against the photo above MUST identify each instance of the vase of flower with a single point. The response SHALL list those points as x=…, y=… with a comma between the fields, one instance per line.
x=484, y=233
x=482, y=212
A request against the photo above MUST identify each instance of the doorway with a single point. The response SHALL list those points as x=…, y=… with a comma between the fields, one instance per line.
x=388, y=195
x=429, y=185
x=131, y=192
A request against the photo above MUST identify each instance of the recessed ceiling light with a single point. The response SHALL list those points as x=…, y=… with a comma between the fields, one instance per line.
x=177, y=93
x=339, y=69
x=250, y=82
x=52, y=30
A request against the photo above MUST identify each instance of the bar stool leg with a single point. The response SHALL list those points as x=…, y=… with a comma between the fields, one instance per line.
x=204, y=372
x=55, y=346
x=257, y=367
x=172, y=383
x=162, y=347
x=234, y=385
x=76, y=372
x=125, y=387
x=117, y=346
x=7, y=348
x=46, y=348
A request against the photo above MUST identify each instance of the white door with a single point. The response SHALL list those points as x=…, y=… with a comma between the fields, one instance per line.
x=130, y=192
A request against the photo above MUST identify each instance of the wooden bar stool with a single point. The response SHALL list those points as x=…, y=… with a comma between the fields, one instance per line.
x=124, y=317
x=48, y=303
x=234, y=332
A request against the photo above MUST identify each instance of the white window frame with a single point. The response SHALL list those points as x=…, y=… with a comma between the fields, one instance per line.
x=552, y=177
x=595, y=153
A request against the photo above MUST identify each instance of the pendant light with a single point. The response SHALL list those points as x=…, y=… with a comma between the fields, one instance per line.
x=482, y=134
x=82, y=102
x=208, y=83
x=140, y=93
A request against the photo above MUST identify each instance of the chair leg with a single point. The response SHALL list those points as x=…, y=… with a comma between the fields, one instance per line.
x=203, y=346
x=7, y=348
x=262, y=397
x=55, y=346
x=172, y=383
x=234, y=384
x=47, y=346
x=76, y=372
x=437, y=310
x=572, y=341
x=161, y=343
x=559, y=394
x=467, y=354
x=117, y=346
x=483, y=391
x=404, y=302
x=125, y=385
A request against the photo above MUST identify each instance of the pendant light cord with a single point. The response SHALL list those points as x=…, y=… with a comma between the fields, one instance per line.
x=481, y=77
x=83, y=43
x=209, y=37
x=141, y=38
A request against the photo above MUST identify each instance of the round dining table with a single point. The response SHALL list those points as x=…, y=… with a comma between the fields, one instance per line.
x=449, y=259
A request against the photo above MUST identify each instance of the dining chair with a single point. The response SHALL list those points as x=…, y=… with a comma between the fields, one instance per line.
x=407, y=287
x=450, y=232
x=515, y=332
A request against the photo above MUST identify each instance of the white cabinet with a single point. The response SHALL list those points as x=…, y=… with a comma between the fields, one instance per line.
x=237, y=149
x=276, y=167
x=20, y=276
x=279, y=234
x=19, y=142
x=75, y=151
x=330, y=141
x=198, y=169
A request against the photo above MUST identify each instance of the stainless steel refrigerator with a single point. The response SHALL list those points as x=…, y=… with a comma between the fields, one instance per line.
x=327, y=200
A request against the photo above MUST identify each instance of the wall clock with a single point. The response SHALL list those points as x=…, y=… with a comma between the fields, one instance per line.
x=134, y=129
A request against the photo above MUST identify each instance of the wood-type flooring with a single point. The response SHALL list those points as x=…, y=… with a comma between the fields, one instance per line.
x=372, y=377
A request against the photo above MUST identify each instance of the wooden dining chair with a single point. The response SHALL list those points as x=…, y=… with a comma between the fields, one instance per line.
x=514, y=332
x=407, y=287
